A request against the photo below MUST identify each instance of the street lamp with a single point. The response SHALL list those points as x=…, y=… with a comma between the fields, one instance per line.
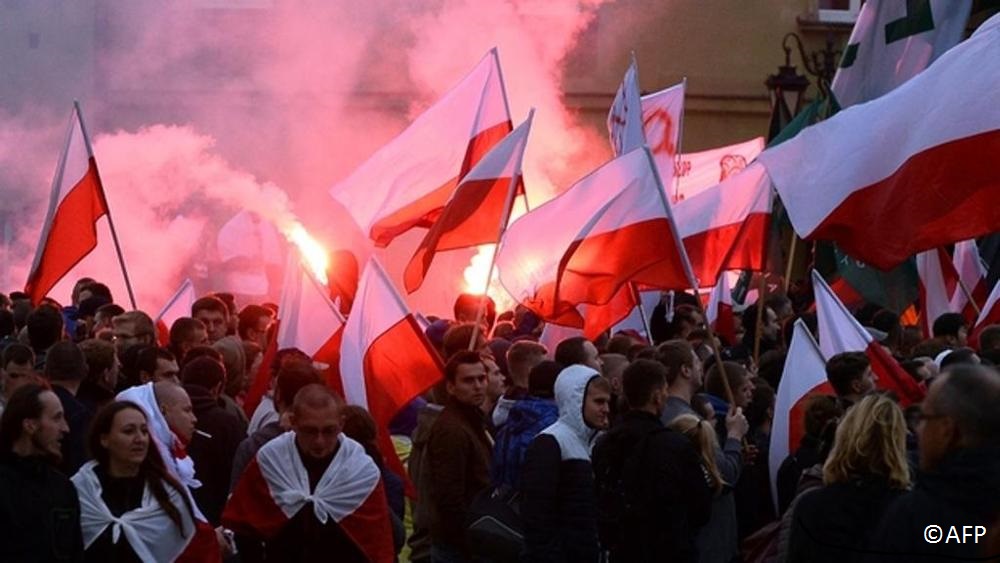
x=786, y=89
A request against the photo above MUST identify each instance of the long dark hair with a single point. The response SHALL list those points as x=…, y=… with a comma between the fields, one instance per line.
x=26, y=403
x=152, y=468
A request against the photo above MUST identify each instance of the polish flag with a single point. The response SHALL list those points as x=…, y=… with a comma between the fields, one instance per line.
x=840, y=332
x=804, y=376
x=76, y=204
x=626, y=114
x=719, y=312
x=662, y=118
x=972, y=272
x=990, y=315
x=275, y=487
x=407, y=182
x=726, y=227
x=584, y=245
x=480, y=207
x=698, y=171
x=926, y=156
x=178, y=306
x=307, y=320
x=938, y=280
x=385, y=359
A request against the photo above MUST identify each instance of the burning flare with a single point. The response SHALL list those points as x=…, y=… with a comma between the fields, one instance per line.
x=475, y=278
x=313, y=254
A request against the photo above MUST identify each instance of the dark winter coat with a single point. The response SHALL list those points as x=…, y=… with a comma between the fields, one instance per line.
x=39, y=512
x=558, y=502
x=527, y=417
x=213, y=454
x=964, y=490
x=668, y=497
x=837, y=523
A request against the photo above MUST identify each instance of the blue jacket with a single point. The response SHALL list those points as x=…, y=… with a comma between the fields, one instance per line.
x=527, y=418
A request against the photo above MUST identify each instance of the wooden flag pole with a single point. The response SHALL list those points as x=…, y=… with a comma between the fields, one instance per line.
x=505, y=217
x=791, y=260
x=692, y=280
x=968, y=295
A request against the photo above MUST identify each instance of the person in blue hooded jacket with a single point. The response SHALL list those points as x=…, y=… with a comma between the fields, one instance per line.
x=558, y=503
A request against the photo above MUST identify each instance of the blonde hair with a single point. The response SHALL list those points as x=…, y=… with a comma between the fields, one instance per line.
x=702, y=435
x=870, y=440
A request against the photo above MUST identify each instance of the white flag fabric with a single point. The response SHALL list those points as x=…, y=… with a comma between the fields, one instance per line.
x=625, y=117
x=874, y=173
x=972, y=272
x=893, y=41
x=698, y=171
x=662, y=118
x=937, y=279
x=407, y=182
x=804, y=375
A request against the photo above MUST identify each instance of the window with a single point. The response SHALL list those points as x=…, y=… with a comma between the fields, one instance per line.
x=839, y=11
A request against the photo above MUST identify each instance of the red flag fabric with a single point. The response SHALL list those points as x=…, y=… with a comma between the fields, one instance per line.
x=804, y=376
x=407, y=182
x=177, y=306
x=938, y=280
x=583, y=246
x=725, y=227
x=76, y=203
x=478, y=209
x=936, y=173
x=840, y=332
x=385, y=359
x=275, y=487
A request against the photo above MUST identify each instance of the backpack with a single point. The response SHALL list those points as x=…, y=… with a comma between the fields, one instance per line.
x=619, y=463
x=494, y=528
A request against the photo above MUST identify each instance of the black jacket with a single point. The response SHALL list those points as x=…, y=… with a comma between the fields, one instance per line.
x=669, y=498
x=558, y=505
x=837, y=523
x=39, y=513
x=74, y=444
x=213, y=456
x=963, y=491
x=791, y=469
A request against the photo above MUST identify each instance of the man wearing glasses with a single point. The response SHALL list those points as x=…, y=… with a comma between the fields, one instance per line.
x=132, y=329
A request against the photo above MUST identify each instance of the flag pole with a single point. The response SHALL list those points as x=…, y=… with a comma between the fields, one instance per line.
x=968, y=295
x=504, y=218
x=642, y=311
x=689, y=273
x=791, y=259
x=680, y=141
x=111, y=223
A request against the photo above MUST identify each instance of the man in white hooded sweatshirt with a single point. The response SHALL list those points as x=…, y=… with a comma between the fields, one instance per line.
x=557, y=483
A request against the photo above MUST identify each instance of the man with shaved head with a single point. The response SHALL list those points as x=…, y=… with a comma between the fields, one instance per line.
x=959, y=479
x=312, y=493
x=175, y=405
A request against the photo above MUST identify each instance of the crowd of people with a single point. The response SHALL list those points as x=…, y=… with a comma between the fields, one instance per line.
x=121, y=440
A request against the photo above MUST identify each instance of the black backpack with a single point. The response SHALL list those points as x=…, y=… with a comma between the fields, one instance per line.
x=619, y=462
x=494, y=529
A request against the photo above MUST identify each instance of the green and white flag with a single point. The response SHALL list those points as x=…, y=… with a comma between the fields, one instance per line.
x=893, y=41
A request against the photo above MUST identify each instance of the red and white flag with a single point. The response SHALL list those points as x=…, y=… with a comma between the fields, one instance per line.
x=625, y=116
x=407, y=182
x=662, y=118
x=307, y=320
x=990, y=315
x=933, y=176
x=804, y=376
x=585, y=245
x=178, y=306
x=840, y=332
x=698, y=171
x=726, y=227
x=719, y=312
x=75, y=206
x=275, y=487
x=938, y=279
x=385, y=359
x=972, y=272
x=480, y=207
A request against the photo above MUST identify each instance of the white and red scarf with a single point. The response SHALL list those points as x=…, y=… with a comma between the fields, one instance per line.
x=275, y=487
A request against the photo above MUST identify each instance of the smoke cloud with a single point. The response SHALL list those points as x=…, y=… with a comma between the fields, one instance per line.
x=204, y=108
